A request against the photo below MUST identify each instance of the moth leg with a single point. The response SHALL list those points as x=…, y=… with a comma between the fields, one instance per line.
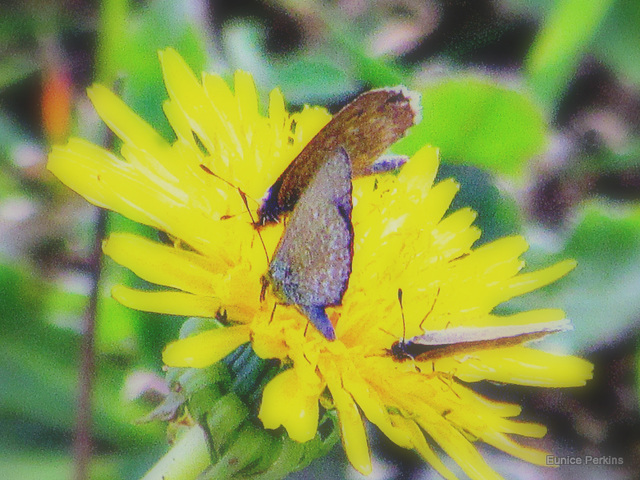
x=386, y=163
x=320, y=320
x=433, y=305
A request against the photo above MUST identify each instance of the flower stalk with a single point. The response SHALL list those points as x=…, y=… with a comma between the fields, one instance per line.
x=186, y=460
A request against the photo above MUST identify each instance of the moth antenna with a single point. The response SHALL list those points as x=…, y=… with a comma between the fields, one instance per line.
x=273, y=312
x=433, y=305
x=404, y=324
x=235, y=187
x=306, y=328
x=387, y=332
x=246, y=204
x=210, y=172
x=403, y=342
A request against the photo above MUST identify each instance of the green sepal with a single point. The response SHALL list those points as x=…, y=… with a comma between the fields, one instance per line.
x=224, y=400
x=253, y=447
x=259, y=454
x=295, y=456
x=224, y=420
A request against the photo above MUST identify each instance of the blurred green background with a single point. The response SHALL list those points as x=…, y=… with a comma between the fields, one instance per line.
x=535, y=106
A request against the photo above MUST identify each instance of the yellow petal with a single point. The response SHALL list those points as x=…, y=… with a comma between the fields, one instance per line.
x=189, y=97
x=206, y=348
x=454, y=235
x=246, y=96
x=455, y=445
x=421, y=445
x=267, y=344
x=438, y=200
x=87, y=168
x=171, y=303
x=500, y=251
x=531, y=281
x=278, y=117
x=373, y=408
x=525, y=429
x=107, y=181
x=477, y=402
x=354, y=436
x=521, y=366
x=422, y=167
x=286, y=402
x=163, y=264
x=123, y=121
x=506, y=444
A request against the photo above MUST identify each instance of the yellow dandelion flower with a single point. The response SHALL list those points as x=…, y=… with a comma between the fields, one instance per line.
x=404, y=239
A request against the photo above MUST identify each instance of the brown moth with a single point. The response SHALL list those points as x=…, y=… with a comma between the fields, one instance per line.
x=365, y=128
x=312, y=262
x=434, y=344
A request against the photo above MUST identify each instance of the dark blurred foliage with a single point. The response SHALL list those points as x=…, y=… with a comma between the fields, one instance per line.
x=536, y=109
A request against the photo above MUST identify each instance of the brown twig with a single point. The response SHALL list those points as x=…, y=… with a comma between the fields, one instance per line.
x=82, y=441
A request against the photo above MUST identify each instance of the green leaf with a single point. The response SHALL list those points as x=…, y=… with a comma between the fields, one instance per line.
x=304, y=77
x=601, y=295
x=497, y=213
x=478, y=122
x=244, y=42
x=376, y=72
x=14, y=68
x=39, y=386
x=618, y=39
x=112, y=31
x=12, y=135
x=53, y=465
x=567, y=31
x=39, y=361
x=313, y=79
x=159, y=25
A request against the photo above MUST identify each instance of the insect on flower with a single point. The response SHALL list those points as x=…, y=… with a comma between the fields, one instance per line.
x=312, y=262
x=434, y=344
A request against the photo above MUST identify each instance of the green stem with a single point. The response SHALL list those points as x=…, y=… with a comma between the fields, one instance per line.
x=186, y=460
x=568, y=29
x=112, y=34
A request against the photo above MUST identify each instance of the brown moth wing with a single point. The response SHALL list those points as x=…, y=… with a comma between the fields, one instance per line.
x=312, y=263
x=366, y=128
x=456, y=335
x=454, y=341
x=441, y=351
